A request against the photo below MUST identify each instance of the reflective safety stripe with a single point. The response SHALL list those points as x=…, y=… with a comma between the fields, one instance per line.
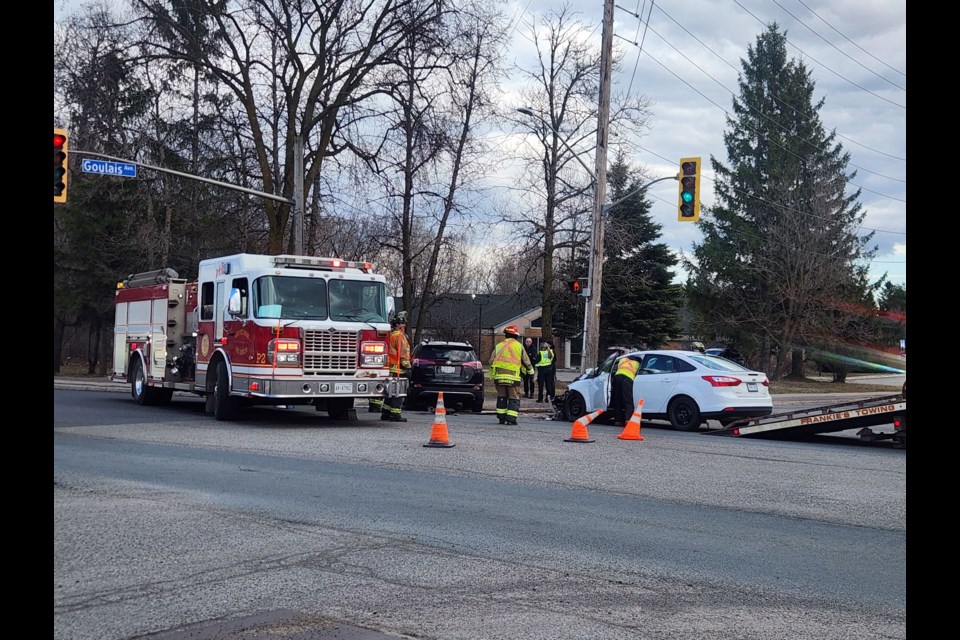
x=507, y=357
x=628, y=367
x=546, y=358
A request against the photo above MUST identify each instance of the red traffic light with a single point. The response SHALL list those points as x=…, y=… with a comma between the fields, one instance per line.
x=574, y=286
x=60, y=177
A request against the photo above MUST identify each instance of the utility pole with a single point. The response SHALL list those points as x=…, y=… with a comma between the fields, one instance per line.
x=591, y=316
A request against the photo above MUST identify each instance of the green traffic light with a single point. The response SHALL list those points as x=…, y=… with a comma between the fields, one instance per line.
x=686, y=196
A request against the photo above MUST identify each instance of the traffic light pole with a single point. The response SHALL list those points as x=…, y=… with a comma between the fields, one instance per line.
x=263, y=194
x=297, y=205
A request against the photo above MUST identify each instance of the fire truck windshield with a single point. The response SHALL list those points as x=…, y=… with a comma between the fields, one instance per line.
x=358, y=301
x=292, y=297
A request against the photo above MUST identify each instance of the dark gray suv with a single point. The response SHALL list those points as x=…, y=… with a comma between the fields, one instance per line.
x=450, y=367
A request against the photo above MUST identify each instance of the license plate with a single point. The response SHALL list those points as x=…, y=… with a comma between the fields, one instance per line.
x=343, y=387
x=751, y=386
x=445, y=369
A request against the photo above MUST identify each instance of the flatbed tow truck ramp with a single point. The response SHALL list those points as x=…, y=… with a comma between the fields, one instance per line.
x=852, y=414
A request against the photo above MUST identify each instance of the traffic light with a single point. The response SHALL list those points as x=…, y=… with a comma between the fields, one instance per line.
x=689, y=206
x=60, y=177
x=574, y=286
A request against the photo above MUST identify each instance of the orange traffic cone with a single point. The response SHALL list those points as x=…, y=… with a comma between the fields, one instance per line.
x=579, y=432
x=631, y=430
x=439, y=436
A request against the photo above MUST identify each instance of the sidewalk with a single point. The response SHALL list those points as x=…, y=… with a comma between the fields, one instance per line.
x=88, y=383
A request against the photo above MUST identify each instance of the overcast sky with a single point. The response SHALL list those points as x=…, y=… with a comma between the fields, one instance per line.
x=854, y=49
x=686, y=56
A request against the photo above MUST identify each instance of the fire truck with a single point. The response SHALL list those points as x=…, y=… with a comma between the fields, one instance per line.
x=257, y=330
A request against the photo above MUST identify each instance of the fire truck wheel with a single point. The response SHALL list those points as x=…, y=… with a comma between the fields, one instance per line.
x=142, y=394
x=224, y=406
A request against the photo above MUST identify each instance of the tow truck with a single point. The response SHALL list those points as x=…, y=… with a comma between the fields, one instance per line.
x=852, y=414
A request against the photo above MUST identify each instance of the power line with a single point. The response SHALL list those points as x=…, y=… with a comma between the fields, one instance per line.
x=640, y=46
x=781, y=206
x=776, y=97
x=835, y=46
x=793, y=248
x=851, y=41
x=864, y=89
x=668, y=70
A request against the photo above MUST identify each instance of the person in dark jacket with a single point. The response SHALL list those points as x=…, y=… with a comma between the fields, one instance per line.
x=529, y=381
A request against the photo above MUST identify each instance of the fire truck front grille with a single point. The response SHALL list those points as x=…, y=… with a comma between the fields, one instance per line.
x=330, y=351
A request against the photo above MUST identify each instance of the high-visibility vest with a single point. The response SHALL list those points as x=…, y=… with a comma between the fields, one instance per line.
x=398, y=356
x=546, y=358
x=507, y=358
x=628, y=367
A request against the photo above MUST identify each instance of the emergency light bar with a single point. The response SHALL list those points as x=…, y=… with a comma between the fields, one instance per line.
x=326, y=264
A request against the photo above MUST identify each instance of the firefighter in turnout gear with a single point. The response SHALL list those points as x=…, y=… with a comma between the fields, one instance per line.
x=398, y=357
x=508, y=359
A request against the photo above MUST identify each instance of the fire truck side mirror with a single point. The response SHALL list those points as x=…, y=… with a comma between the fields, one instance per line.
x=234, y=303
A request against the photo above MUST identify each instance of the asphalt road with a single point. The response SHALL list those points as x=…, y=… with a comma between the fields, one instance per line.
x=169, y=524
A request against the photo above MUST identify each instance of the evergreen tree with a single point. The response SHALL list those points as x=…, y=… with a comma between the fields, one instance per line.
x=892, y=302
x=778, y=265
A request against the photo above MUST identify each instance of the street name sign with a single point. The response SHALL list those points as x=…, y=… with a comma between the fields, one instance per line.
x=105, y=167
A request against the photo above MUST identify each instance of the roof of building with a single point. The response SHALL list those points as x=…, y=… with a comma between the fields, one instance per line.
x=486, y=310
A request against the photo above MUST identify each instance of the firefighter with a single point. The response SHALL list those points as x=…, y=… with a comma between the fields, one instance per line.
x=508, y=359
x=376, y=404
x=398, y=357
x=622, y=389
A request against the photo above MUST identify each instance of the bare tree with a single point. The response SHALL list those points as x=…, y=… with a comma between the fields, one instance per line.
x=441, y=88
x=297, y=68
x=563, y=90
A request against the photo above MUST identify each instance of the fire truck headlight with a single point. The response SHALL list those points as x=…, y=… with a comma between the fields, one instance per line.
x=373, y=354
x=288, y=358
x=372, y=360
x=284, y=352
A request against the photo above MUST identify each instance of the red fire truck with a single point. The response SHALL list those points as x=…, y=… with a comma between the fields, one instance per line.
x=254, y=329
